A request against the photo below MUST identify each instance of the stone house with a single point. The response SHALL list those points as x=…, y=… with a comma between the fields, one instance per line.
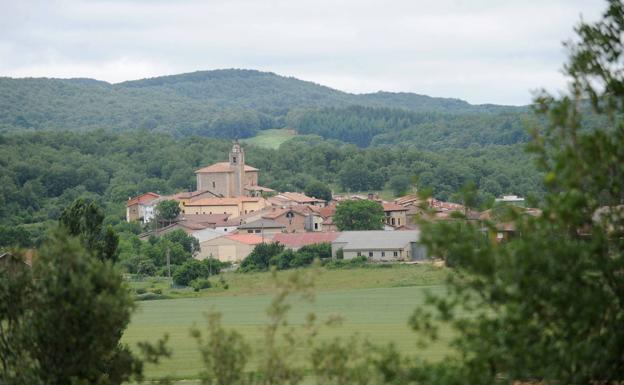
x=235, y=207
x=265, y=228
x=292, y=218
x=395, y=215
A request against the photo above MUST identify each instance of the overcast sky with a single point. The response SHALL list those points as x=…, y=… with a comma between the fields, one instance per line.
x=482, y=51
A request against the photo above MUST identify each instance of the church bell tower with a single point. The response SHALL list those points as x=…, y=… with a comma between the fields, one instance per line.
x=237, y=164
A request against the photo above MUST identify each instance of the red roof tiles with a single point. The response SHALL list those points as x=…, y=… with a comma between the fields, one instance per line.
x=222, y=167
x=297, y=240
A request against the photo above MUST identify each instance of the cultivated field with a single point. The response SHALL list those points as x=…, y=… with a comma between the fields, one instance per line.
x=374, y=302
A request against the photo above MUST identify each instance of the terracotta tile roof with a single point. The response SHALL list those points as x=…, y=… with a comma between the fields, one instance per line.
x=299, y=198
x=327, y=211
x=328, y=221
x=297, y=240
x=204, y=218
x=222, y=201
x=279, y=212
x=249, y=239
x=222, y=167
x=393, y=207
x=193, y=194
x=143, y=198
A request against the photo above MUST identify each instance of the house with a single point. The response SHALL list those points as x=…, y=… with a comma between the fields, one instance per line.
x=206, y=234
x=235, y=207
x=229, y=248
x=328, y=225
x=293, y=198
x=265, y=228
x=380, y=245
x=141, y=208
x=395, y=215
x=296, y=241
x=293, y=218
x=228, y=179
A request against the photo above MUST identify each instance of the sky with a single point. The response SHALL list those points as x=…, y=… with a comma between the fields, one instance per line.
x=482, y=51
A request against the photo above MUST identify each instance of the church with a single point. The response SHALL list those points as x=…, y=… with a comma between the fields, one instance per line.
x=230, y=179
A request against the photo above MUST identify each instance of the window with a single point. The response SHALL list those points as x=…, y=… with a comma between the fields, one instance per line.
x=399, y=221
x=359, y=254
x=383, y=253
x=392, y=221
x=396, y=253
x=316, y=226
x=233, y=159
x=250, y=231
x=214, y=184
x=370, y=254
x=257, y=231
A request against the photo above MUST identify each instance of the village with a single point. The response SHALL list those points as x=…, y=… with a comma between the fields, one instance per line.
x=230, y=214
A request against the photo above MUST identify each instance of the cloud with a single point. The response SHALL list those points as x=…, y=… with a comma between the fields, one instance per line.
x=481, y=51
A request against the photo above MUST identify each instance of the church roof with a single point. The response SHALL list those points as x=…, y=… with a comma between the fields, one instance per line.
x=222, y=167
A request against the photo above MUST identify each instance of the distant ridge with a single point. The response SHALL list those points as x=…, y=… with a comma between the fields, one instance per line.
x=223, y=103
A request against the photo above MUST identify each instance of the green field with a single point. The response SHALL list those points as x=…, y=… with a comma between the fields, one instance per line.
x=373, y=302
x=272, y=138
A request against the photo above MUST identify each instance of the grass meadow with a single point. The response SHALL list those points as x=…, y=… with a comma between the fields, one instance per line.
x=272, y=138
x=373, y=302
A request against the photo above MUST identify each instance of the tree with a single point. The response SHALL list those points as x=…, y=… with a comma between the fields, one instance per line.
x=260, y=257
x=84, y=219
x=400, y=184
x=359, y=215
x=167, y=210
x=547, y=306
x=87, y=298
x=318, y=190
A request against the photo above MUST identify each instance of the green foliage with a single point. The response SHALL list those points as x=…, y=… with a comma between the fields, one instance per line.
x=224, y=353
x=167, y=210
x=400, y=184
x=15, y=236
x=200, y=284
x=359, y=215
x=194, y=269
x=72, y=288
x=546, y=306
x=84, y=219
x=260, y=257
x=318, y=190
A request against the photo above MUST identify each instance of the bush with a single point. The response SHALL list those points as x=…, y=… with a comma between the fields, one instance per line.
x=200, y=284
x=140, y=290
x=347, y=263
x=156, y=291
x=150, y=297
x=260, y=258
x=194, y=269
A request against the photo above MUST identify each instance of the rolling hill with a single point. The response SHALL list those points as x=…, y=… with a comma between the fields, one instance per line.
x=221, y=103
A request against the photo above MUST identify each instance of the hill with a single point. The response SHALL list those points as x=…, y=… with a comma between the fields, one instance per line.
x=222, y=103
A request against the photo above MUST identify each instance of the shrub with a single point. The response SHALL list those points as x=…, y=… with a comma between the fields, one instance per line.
x=200, y=284
x=150, y=297
x=259, y=259
x=194, y=269
x=140, y=290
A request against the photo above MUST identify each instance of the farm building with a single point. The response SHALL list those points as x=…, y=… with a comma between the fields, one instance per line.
x=296, y=241
x=380, y=245
x=229, y=248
